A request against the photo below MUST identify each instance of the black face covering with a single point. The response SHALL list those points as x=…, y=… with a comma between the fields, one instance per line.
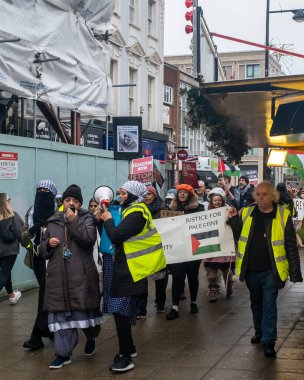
x=44, y=207
x=131, y=198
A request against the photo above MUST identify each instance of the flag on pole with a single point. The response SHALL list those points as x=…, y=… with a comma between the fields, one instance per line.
x=295, y=160
x=228, y=169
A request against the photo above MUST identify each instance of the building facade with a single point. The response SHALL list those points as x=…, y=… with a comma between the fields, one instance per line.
x=248, y=65
x=137, y=58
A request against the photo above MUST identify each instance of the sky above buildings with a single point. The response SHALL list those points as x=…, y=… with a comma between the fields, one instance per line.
x=244, y=19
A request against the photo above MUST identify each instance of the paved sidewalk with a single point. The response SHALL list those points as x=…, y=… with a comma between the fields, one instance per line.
x=211, y=345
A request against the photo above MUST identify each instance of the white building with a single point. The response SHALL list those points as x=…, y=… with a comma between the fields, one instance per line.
x=137, y=58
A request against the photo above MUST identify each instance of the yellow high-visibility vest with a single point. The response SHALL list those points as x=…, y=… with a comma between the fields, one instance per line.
x=277, y=240
x=144, y=252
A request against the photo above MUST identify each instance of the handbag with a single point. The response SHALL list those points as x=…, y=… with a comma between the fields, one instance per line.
x=31, y=251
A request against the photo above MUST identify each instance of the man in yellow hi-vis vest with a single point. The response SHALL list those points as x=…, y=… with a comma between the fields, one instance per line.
x=267, y=255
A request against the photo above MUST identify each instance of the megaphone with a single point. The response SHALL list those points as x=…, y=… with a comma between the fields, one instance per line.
x=103, y=195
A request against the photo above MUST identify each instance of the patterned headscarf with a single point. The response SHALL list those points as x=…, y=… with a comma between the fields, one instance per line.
x=47, y=184
x=136, y=188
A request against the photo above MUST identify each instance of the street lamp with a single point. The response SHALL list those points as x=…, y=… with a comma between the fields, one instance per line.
x=298, y=17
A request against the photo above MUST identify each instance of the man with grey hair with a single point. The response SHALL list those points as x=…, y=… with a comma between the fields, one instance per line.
x=267, y=255
x=200, y=192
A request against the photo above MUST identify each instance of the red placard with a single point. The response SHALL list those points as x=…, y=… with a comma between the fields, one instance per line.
x=189, y=174
x=142, y=170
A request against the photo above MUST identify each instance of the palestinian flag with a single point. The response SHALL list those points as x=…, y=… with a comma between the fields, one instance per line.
x=228, y=169
x=205, y=242
x=295, y=160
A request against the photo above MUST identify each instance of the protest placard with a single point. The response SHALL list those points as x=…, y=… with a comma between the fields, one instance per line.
x=196, y=236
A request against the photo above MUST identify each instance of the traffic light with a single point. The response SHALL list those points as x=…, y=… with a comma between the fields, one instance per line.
x=193, y=15
x=189, y=16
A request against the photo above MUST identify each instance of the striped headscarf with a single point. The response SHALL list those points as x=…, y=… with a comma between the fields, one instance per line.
x=136, y=188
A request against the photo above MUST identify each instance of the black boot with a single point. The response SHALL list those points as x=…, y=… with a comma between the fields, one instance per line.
x=269, y=350
x=34, y=343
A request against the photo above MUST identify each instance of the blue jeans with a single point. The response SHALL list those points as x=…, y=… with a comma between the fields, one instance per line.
x=263, y=297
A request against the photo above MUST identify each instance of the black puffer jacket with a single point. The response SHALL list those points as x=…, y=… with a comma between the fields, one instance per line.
x=122, y=282
x=11, y=235
x=290, y=247
x=71, y=284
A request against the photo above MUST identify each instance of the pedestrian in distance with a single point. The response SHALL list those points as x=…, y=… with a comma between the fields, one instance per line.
x=36, y=220
x=245, y=190
x=72, y=294
x=133, y=235
x=267, y=255
x=187, y=202
x=11, y=226
x=224, y=264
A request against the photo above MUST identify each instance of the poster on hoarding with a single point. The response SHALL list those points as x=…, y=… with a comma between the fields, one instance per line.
x=8, y=165
x=127, y=132
x=142, y=170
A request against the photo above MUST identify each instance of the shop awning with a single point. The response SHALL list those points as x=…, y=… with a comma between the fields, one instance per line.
x=252, y=104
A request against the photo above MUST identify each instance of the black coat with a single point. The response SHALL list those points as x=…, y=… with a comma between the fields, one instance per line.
x=247, y=198
x=290, y=247
x=71, y=284
x=122, y=281
x=11, y=235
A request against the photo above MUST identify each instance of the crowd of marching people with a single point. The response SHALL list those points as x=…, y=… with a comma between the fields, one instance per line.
x=59, y=231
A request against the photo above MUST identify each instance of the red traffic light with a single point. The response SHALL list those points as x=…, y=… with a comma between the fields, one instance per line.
x=189, y=16
x=188, y=3
x=189, y=29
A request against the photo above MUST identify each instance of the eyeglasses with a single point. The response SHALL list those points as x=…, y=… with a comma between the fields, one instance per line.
x=8, y=199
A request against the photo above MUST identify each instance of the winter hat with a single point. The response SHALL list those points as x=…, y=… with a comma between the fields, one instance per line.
x=245, y=178
x=136, y=188
x=185, y=187
x=73, y=191
x=152, y=190
x=47, y=184
x=217, y=191
x=281, y=187
x=171, y=194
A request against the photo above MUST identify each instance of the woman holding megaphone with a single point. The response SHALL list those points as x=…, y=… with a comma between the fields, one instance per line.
x=138, y=253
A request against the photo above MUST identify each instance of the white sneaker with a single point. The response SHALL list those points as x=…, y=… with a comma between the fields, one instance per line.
x=15, y=299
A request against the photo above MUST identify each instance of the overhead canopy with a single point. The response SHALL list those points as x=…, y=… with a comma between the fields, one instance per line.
x=252, y=104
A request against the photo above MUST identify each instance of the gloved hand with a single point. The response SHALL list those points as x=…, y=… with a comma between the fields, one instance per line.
x=35, y=228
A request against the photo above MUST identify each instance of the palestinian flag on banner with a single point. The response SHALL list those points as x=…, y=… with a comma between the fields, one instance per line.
x=295, y=160
x=205, y=242
x=228, y=169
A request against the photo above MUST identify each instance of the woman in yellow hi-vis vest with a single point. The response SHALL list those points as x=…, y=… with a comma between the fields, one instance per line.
x=138, y=254
x=267, y=255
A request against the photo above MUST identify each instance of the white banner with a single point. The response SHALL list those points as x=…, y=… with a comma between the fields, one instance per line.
x=299, y=205
x=196, y=236
x=57, y=59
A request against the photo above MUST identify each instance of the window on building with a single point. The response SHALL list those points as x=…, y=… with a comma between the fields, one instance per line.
x=113, y=71
x=227, y=71
x=168, y=94
x=132, y=79
x=151, y=17
x=132, y=11
x=150, y=100
x=169, y=132
x=253, y=71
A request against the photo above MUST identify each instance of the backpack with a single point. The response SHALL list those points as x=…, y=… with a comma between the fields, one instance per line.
x=7, y=233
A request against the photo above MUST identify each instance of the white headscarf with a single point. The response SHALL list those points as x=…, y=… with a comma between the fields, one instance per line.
x=136, y=188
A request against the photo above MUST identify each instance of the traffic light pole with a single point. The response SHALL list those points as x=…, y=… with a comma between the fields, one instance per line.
x=197, y=12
